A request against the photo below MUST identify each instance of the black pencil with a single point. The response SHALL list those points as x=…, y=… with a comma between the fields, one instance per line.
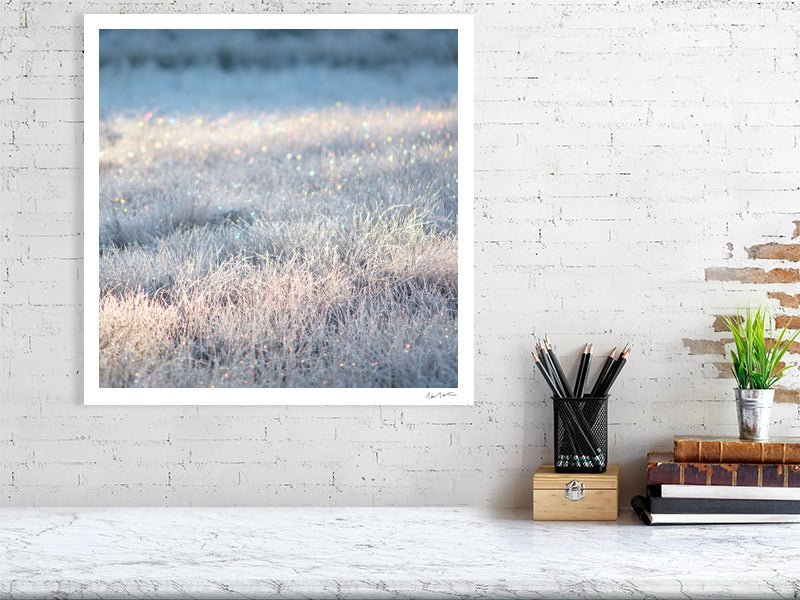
x=559, y=371
x=603, y=390
x=614, y=373
x=544, y=366
x=579, y=373
x=598, y=383
x=583, y=369
x=547, y=359
x=545, y=374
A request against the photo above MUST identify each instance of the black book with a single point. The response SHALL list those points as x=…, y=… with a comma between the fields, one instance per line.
x=642, y=506
x=714, y=506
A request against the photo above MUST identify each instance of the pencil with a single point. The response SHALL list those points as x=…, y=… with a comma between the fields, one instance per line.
x=547, y=359
x=545, y=374
x=583, y=369
x=559, y=371
x=614, y=373
x=602, y=375
x=579, y=373
x=540, y=355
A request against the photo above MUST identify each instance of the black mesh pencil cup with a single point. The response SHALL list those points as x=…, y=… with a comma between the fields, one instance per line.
x=581, y=434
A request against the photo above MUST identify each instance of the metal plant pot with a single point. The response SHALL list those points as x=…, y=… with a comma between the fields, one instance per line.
x=754, y=409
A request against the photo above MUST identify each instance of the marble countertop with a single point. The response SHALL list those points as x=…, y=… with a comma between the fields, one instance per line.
x=382, y=553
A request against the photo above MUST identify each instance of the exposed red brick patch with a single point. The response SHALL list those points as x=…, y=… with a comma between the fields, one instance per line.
x=753, y=275
x=775, y=251
x=786, y=300
x=723, y=370
x=796, y=230
x=782, y=395
x=794, y=347
x=780, y=322
x=789, y=321
x=706, y=347
x=719, y=321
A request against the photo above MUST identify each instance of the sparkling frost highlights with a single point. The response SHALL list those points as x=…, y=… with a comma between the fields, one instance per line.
x=315, y=249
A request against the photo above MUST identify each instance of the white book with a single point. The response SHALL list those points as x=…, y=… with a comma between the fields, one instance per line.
x=723, y=492
x=687, y=519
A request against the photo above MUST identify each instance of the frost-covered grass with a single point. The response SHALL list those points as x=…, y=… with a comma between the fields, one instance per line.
x=313, y=249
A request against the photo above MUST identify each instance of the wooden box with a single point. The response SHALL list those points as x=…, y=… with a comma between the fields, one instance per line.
x=575, y=496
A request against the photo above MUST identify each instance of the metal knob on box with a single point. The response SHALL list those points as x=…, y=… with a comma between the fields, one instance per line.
x=573, y=490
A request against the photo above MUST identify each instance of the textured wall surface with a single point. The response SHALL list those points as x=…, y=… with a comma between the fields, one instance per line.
x=637, y=173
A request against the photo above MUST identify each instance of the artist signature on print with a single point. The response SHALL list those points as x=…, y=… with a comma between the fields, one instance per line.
x=440, y=395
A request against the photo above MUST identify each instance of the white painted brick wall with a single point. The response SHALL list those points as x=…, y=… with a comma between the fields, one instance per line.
x=620, y=148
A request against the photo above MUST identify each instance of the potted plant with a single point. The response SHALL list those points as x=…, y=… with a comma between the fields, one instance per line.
x=756, y=364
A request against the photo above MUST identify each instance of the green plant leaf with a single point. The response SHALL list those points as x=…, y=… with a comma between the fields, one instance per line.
x=752, y=363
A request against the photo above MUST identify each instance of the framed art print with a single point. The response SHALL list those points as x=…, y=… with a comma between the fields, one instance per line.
x=278, y=209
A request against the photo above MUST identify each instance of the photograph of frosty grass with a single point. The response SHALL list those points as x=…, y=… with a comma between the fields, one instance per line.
x=278, y=208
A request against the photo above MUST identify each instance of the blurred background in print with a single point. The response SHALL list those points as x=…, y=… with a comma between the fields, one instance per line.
x=217, y=71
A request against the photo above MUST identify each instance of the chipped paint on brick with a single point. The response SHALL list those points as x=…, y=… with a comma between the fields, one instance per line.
x=773, y=251
x=720, y=324
x=723, y=370
x=705, y=347
x=752, y=275
x=786, y=300
x=788, y=321
x=783, y=395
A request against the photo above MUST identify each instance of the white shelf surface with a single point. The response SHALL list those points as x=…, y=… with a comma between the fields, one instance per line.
x=382, y=553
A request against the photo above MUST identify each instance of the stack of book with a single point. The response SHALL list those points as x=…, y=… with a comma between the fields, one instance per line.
x=722, y=480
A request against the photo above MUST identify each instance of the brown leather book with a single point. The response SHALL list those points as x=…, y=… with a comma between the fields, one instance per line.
x=663, y=469
x=783, y=451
